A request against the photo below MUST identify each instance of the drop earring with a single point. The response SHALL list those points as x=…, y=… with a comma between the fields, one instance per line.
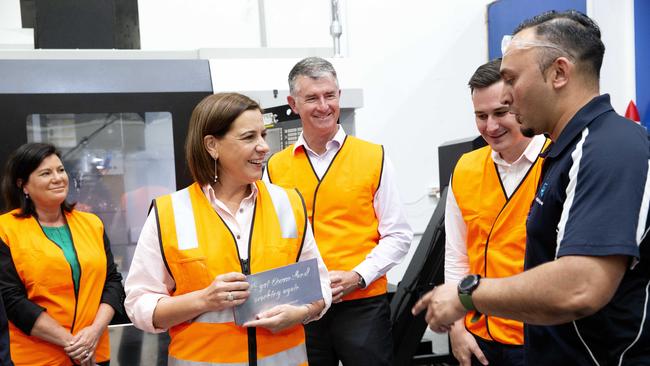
x=26, y=196
x=215, y=171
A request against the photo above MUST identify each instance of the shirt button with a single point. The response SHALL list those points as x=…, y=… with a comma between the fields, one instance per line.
x=238, y=236
x=241, y=210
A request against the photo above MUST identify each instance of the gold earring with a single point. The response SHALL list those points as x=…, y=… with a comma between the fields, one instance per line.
x=215, y=171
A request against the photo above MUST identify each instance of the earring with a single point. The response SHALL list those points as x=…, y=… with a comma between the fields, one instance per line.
x=26, y=196
x=215, y=171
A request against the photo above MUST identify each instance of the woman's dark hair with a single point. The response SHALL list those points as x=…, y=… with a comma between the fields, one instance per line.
x=20, y=164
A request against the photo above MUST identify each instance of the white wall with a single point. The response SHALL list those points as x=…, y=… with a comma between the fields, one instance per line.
x=414, y=59
x=10, y=14
x=179, y=24
x=618, y=77
x=12, y=35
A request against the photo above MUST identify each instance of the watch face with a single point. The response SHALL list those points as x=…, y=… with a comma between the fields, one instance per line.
x=468, y=283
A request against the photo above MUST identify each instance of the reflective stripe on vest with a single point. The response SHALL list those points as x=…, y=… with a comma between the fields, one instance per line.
x=293, y=356
x=340, y=204
x=215, y=317
x=283, y=210
x=184, y=220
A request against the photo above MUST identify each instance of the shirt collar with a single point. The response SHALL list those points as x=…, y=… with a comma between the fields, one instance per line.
x=209, y=193
x=588, y=113
x=530, y=153
x=336, y=141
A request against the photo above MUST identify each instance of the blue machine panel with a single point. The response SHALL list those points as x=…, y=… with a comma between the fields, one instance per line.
x=505, y=15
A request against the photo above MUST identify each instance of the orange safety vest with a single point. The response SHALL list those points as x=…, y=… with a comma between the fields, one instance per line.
x=198, y=246
x=496, y=230
x=47, y=277
x=340, y=204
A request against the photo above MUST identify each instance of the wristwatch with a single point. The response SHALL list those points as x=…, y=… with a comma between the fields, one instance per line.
x=362, y=282
x=466, y=286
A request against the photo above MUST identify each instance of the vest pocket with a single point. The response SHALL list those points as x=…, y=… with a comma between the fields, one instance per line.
x=193, y=274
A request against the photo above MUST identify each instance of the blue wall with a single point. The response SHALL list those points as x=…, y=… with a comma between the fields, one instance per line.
x=505, y=15
x=642, y=58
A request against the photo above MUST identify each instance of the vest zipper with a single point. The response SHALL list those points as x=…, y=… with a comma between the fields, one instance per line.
x=252, y=333
x=245, y=266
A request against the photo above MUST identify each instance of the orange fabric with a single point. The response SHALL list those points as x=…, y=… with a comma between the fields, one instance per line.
x=51, y=286
x=496, y=230
x=194, y=269
x=340, y=206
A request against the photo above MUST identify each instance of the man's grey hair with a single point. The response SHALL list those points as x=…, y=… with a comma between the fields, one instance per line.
x=312, y=67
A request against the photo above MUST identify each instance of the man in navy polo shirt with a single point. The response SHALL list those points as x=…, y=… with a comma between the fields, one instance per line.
x=584, y=295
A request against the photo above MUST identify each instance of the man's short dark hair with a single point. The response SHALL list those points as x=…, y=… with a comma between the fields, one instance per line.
x=486, y=75
x=573, y=32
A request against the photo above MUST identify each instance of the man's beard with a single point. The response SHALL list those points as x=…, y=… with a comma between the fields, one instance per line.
x=527, y=131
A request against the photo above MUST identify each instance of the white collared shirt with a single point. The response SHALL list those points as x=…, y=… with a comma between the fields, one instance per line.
x=148, y=280
x=511, y=174
x=395, y=234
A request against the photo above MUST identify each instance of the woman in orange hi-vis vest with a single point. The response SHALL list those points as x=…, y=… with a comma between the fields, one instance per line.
x=197, y=245
x=59, y=283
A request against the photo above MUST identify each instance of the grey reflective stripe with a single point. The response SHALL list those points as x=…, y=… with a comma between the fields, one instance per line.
x=223, y=316
x=284, y=211
x=291, y=357
x=184, y=220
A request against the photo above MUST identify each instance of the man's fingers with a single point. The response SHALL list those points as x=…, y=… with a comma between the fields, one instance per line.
x=479, y=355
x=422, y=303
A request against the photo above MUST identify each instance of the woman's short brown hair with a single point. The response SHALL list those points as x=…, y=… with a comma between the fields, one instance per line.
x=212, y=116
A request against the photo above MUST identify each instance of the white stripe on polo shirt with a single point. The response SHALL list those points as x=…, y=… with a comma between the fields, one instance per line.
x=638, y=336
x=576, y=156
x=641, y=230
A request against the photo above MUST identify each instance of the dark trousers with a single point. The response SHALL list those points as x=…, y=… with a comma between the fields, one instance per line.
x=356, y=332
x=499, y=353
x=5, y=356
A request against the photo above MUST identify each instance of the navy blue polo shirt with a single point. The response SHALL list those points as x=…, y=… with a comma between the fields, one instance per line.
x=593, y=201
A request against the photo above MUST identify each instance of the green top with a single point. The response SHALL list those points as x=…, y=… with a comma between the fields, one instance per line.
x=62, y=237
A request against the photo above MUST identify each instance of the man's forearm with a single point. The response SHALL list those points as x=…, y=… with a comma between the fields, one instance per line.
x=553, y=293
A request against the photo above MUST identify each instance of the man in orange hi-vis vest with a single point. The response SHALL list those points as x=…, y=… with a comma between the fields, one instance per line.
x=485, y=218
x=359, y=225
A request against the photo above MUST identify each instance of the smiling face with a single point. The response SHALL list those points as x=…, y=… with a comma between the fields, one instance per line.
x=47, y=185
x=242, y=149
x=317, y=103
x=526, y=90
x=498, y=127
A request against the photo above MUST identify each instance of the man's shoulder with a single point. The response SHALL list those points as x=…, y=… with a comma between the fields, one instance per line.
x=470, y=158
x=283, y=154
x=614, y=139
x=353, y=140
